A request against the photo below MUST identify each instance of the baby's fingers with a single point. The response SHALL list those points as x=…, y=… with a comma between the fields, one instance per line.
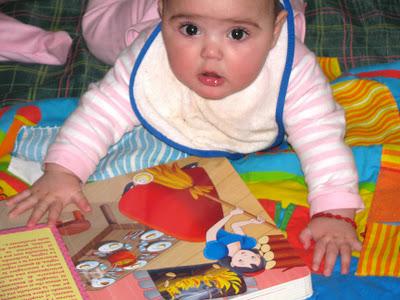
x=54, y=212
x=356, y=245
x=18, y=198
x=319, y=252
x=38, y=212
x=81, y=202
x=22, y=205
x=306, y=237
x=345, y=253
x=332, y=252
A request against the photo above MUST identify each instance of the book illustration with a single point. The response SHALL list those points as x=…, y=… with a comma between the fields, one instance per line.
x=168, y=190
x=151, y=197
x=240, y=261
x=118, y=250
x=34, y=264
x=235, y=254
x=234, y=249
x=207, y=281
x=277, y=250
x=187, y=228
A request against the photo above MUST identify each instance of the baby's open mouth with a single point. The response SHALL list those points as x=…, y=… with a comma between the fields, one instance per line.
x=211, y=74
x=211, y=79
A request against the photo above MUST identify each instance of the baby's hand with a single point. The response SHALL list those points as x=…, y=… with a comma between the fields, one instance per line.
x=332, y=237
x=52, y=192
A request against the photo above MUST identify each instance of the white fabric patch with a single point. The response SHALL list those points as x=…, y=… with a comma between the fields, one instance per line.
x=27, y=170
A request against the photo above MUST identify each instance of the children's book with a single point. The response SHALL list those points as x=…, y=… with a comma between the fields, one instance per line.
x=186, y=230
x=34, y=264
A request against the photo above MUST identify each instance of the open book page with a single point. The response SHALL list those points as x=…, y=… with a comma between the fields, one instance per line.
x=34, y=265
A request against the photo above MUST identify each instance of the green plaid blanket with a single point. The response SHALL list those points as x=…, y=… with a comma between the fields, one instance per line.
x=25, y=82
x=358, y=32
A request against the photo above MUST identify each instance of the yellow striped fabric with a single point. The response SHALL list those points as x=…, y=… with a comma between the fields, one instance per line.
x=330, y=66
x=372, y=114
x=380, y=253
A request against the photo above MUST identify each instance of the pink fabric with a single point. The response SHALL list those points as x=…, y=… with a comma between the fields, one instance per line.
x=29, y=44
x=123, y=20
x=299, y=7
x=109, y=26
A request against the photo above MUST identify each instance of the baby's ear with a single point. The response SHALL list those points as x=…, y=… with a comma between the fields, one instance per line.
x=279, y=21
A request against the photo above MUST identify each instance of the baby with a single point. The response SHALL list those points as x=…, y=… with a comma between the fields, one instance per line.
x=214, y=78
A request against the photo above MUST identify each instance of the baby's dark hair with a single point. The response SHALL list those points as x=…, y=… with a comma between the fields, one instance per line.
x=278, y=7
x=226, y=262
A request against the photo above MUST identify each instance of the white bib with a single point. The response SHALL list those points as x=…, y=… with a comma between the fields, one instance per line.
x=243, y=122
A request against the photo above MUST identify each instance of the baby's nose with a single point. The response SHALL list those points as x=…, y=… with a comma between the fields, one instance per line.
x=211, y=50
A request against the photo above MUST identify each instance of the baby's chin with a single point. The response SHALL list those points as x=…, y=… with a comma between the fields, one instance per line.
x=211, y=97
x=213, y=94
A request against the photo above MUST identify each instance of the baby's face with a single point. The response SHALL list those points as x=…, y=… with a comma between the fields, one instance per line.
x=218, y=47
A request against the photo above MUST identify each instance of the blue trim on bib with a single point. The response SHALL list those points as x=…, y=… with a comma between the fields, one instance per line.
x=286, y=75
x=216, y=153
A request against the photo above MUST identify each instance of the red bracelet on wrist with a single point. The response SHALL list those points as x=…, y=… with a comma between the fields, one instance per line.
x=337, y=217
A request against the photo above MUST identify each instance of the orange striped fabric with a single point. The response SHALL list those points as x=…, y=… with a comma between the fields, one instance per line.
x=391, y=157
x=380, y=253
x=372, y=114
x=386, y=199
x=330, y=66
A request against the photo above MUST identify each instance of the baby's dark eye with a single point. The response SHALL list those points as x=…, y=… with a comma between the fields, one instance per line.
x=238, y=34
x=189, y=29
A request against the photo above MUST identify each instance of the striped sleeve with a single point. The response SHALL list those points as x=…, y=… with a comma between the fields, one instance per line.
x=103, y=116
x=315, y=126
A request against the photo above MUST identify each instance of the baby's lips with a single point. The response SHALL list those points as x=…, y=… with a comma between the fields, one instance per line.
x=211, y=74
x=211, y=79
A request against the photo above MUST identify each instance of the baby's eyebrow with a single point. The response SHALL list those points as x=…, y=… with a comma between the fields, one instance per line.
x=244, y=21
x=184, y=16
x=238, y=21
